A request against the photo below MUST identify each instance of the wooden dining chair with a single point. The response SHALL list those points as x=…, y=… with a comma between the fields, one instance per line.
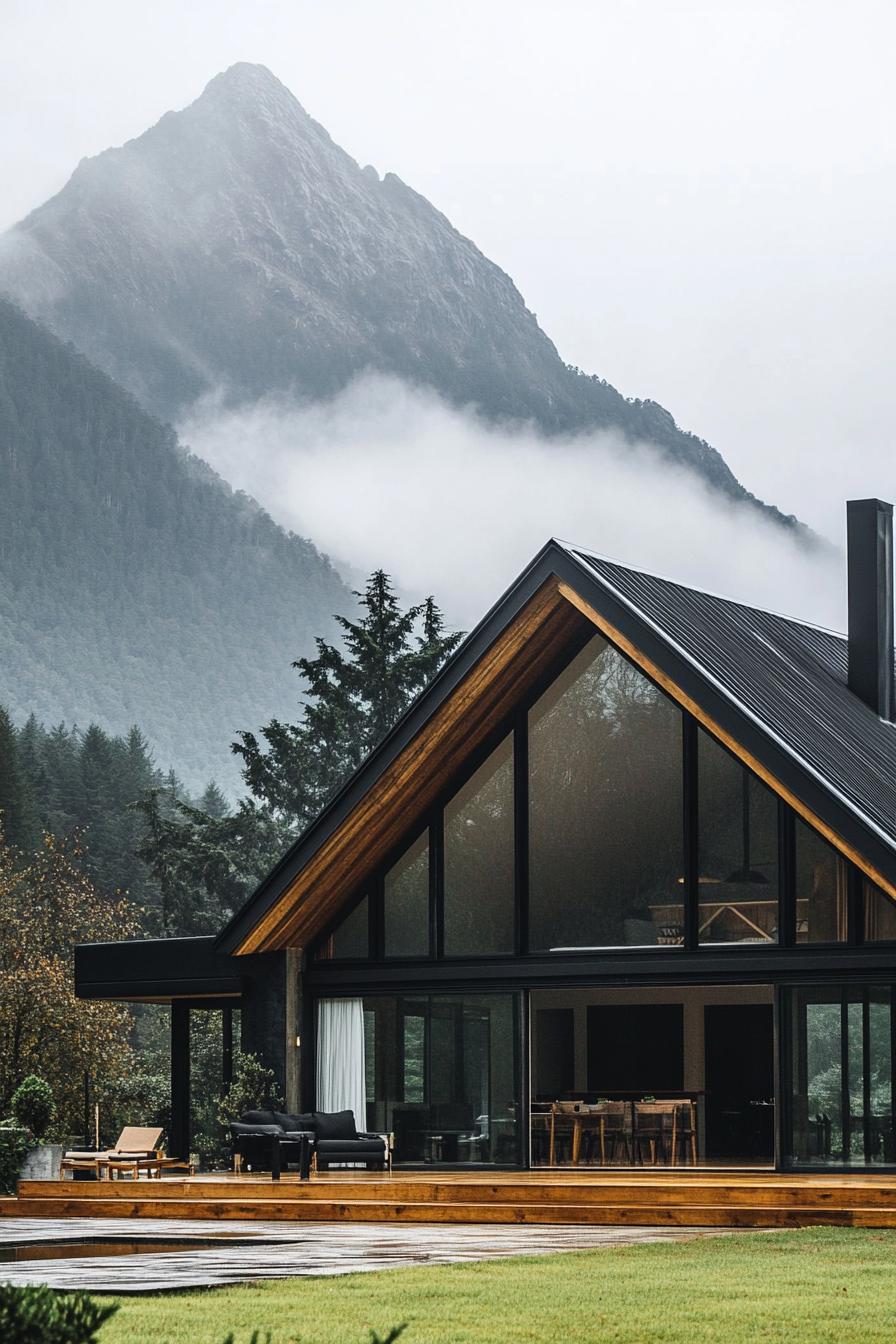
x=684, y=1132
x=563, y=1128
x=652, y=1124
x=611, y=1134
x=540, y=1120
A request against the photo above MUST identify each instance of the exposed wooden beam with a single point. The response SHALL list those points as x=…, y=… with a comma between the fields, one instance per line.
x=409, y=787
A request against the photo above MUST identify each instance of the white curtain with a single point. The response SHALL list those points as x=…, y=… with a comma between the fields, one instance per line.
x=341, y=1083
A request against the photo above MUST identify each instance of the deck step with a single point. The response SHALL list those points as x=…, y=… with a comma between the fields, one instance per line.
x=683, y=1214
x=657, y=1193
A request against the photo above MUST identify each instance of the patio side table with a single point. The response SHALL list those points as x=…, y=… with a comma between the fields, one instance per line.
x=301, y=1137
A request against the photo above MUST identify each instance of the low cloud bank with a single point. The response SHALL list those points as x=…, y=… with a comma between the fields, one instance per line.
x=388, y=475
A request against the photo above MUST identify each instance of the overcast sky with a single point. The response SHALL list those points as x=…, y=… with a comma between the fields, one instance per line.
x=697, y=199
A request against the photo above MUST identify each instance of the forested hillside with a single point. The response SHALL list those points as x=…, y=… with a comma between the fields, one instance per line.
x=81, y=786
x=135, y=586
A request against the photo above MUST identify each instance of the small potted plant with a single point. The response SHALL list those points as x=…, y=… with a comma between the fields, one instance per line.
x=32, y=1107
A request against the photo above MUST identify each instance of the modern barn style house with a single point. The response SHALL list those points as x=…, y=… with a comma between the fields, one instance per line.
x=619, y=891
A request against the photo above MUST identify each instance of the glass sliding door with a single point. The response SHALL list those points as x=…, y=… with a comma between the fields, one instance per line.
x=842, y=1047
x=443, y=1076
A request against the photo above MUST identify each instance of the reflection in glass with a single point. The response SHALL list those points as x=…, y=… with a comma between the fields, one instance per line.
x=479, y=860
x=406, y=903
x=350, y=940
x=605, y=808
x=842, y=1084
x=446, y=1077
x=208, y=1056
x=821, y=888
x=738, y=850
x=880, y=914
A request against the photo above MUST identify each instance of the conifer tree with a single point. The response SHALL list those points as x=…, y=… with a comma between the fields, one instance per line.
x=205, y=865
x=17, y=814
x=213, y=803
x=356, y=694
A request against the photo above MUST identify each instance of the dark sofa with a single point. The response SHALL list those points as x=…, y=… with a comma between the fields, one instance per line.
x=333, y=1138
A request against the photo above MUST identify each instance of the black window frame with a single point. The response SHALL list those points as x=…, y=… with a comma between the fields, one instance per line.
x=517, y=724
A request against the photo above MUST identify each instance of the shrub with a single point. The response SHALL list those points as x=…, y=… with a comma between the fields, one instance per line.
x=13, y=1147
x=32, y=1105
x=252, y=1089
x=37, y=1315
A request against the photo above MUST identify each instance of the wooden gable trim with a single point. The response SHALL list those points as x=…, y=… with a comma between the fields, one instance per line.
x=675, y=693
x=512, y=665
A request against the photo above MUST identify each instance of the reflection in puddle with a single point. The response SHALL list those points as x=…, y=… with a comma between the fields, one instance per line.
x=76, y=1250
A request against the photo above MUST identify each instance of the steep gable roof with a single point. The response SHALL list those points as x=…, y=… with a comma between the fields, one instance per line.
x=771, y=688
x=787, y=676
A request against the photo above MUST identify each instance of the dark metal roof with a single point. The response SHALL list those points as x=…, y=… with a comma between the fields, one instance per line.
x=787, y=676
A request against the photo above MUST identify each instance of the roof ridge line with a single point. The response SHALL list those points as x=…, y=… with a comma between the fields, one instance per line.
x=573, y=548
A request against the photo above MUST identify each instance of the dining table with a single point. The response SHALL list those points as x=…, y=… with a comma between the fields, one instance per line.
x=584, y=1116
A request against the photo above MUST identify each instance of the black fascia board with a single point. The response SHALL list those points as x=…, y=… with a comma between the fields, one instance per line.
x=707, y=965
x=505, y=610
x=155, y=968
x=555, y=560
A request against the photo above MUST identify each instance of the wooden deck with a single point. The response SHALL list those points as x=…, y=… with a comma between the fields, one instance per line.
x=661, y=1198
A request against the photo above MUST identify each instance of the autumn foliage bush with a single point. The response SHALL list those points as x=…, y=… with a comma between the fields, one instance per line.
x=48, y=906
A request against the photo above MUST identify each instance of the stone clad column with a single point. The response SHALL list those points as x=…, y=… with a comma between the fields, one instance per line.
x=293, y=1026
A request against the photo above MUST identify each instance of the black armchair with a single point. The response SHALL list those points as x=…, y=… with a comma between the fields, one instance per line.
x=338, y=1141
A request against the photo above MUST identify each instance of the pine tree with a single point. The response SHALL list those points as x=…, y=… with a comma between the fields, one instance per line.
x=12, y=783
x=356, y=695
x=213, y=803
x=205, y=865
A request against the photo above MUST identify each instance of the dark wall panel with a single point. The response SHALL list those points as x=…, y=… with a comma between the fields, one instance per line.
x=636, y=1048
x=554, y=1062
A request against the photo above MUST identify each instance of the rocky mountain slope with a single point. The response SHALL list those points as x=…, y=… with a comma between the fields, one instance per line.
x=135, y=586
x=234, y=248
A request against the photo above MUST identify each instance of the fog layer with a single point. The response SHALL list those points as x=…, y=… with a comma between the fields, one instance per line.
x=388, y=475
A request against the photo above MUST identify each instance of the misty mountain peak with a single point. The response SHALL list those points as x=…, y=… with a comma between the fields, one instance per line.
x=245, y=87
x=235, y=249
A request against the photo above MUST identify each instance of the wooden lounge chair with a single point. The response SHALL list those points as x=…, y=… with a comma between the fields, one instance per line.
x=136, y=1146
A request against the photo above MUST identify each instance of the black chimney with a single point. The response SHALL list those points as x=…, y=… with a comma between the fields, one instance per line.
x=869, y=549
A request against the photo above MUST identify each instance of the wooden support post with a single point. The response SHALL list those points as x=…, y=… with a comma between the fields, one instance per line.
x=179, y=1134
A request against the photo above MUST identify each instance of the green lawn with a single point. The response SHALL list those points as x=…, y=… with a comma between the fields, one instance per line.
x=834, y=1285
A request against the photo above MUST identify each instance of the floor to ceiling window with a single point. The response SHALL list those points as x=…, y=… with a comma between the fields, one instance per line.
x=842, y=1047
x=442, y=1075
x=606, y=858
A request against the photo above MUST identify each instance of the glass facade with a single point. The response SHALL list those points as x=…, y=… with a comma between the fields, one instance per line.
x=350, y=940
x=479, y=869
x=738, y=850
x=605, y=809
x=880, y=914
x=841, y=1075
x=443, y=1076
x=406, y=903
x=821, y=888
x=637, y=830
